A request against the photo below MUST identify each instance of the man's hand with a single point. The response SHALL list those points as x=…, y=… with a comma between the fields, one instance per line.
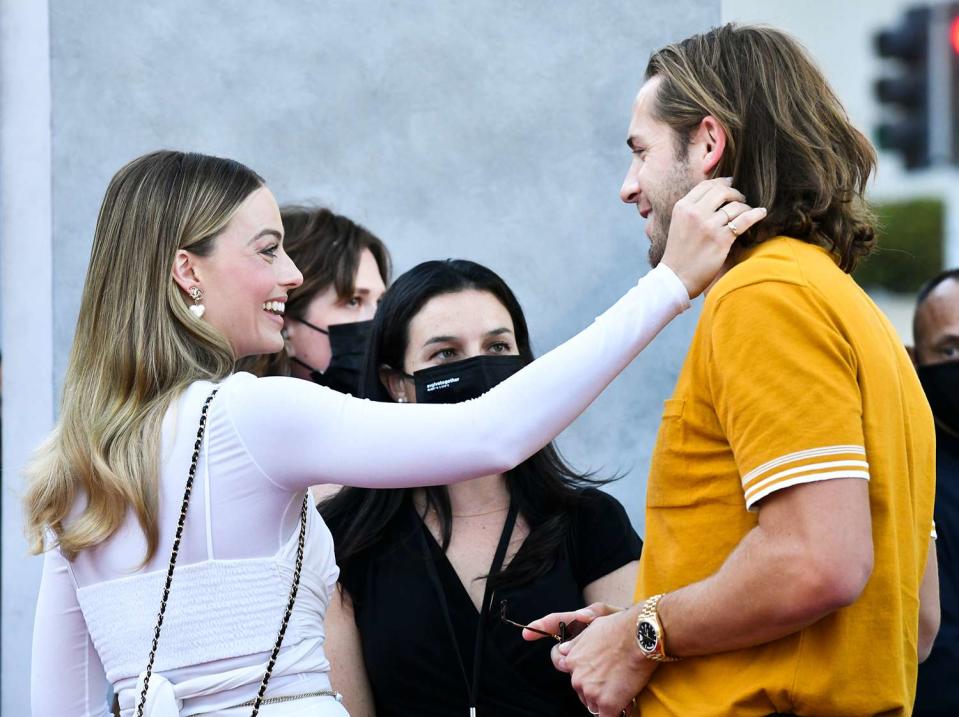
x=606, y=667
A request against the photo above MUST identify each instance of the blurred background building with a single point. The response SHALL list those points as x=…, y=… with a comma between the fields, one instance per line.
x=486, y=130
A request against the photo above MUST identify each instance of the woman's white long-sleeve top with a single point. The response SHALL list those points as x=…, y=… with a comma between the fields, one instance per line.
x=267, y=440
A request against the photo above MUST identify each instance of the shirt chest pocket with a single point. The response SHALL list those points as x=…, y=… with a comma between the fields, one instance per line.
x=669, y=458
x=692, y=463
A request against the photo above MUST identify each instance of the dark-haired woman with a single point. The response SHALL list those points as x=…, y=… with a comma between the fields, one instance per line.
x=414, y=562
x=346, y=269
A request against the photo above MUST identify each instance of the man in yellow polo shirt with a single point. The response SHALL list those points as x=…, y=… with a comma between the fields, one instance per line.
x=791, y=491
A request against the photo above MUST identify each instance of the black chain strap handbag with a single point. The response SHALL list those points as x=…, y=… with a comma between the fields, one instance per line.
x=169, y=576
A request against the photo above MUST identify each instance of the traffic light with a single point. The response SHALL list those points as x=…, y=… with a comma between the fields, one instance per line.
x=905, y=95
x=921, y=98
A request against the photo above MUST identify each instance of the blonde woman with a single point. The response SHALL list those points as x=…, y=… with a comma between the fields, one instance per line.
x=187, y=274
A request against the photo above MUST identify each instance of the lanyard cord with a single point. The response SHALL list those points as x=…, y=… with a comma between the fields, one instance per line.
x=472, y=688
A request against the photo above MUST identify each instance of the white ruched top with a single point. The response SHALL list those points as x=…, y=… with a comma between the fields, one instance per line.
x=267, y=440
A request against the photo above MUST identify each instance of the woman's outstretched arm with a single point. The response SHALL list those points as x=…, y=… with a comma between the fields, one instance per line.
x=301, y=434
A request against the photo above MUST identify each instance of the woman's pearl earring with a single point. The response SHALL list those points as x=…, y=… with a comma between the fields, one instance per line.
x=198, y=308
x=401, y=399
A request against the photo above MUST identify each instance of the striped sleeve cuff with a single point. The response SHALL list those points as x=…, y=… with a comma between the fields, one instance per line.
x=807, y=466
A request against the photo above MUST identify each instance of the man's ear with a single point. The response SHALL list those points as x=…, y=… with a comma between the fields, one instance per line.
x=395, y=383
x=185, y=271
x=709, y=143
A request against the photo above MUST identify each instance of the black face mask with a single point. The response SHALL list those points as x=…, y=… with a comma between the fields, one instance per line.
x=941, y=383
x=347, y=350
x=463, y=380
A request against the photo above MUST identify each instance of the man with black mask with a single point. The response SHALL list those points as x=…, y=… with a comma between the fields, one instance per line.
x=936, y=335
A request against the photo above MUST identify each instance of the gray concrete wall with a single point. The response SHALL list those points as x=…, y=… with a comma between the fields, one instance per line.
x=488, y=130
x=28, y=349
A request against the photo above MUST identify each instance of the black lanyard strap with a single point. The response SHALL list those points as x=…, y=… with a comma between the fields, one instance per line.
x=472, y=687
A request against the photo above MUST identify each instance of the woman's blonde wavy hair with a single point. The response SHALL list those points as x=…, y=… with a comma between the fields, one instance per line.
x=136, y=347
x=790, y=145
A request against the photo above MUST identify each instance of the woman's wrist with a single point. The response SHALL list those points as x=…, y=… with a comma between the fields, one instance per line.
x=674, y=282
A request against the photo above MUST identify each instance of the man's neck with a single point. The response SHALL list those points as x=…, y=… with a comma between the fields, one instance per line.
x=730, y=262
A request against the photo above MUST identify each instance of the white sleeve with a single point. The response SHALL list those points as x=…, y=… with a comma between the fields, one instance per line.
x=66, y=676
x=300, y=434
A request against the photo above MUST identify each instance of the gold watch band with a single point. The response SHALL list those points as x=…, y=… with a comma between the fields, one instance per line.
x=650, y=614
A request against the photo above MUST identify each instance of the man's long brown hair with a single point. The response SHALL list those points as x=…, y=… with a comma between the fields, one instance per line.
x=790, y=145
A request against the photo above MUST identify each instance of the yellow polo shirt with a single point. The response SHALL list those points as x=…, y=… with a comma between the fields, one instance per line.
x=793, y=376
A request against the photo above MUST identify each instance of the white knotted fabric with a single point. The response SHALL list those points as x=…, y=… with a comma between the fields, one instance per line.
x=161, y=698
x=164, y=699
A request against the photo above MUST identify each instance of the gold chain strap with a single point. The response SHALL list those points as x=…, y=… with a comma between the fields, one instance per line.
x=289, y=607
x=173, y=557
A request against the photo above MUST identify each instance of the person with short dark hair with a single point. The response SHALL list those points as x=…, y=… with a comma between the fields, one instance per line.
x=935, y=331
x=790, y=496
x=447, y=332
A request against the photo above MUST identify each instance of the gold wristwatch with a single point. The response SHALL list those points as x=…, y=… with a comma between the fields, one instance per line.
x=650, y=637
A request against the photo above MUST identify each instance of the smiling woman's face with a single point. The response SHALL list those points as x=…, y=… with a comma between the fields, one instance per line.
x=246, y=278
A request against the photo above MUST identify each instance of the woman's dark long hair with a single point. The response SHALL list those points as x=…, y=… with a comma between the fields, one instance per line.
x=544, y=488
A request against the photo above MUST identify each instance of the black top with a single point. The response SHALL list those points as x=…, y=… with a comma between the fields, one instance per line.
x=938, y=688
x=409, y=653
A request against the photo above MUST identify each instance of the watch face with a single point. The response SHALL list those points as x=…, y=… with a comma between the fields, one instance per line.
x=647, y=636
